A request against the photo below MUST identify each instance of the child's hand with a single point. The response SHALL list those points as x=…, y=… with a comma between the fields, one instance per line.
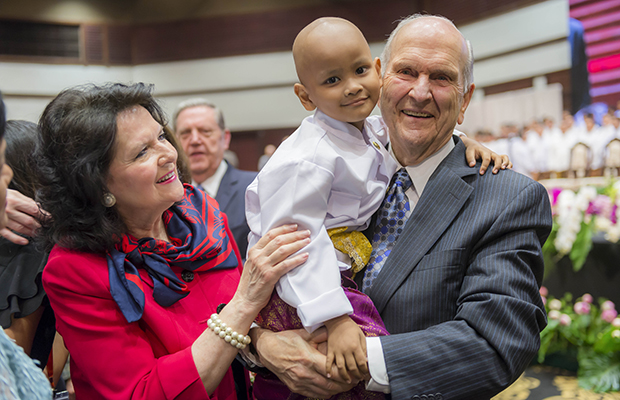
x=346, y=347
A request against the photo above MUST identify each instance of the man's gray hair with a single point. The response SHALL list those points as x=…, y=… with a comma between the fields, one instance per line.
x=197, y=102
x=468, y=69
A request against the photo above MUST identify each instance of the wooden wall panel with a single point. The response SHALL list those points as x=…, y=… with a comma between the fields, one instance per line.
x=94, y=39
x=255, y=33
x=249, y=145
x=120, y=45
x=462, y=12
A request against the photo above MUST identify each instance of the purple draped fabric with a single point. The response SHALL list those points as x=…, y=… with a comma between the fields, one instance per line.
x=279, y=316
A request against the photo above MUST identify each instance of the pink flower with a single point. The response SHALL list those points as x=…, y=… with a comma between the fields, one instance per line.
x=565, y=320
x=582, y=308
x=544, y=299
x=587, y=298
x=544, y=292
x=608, y=305
x=555, y=192
x=609, y=315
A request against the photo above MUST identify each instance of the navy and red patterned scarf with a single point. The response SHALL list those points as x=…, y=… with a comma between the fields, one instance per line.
x=196, y=229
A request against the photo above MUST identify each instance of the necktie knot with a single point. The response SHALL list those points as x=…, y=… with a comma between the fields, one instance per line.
x=402, y=179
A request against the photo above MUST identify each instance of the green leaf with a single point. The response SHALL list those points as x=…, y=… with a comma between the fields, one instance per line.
x=599, y=372
x=550, y=254
x=606, y=343
x=582, y=245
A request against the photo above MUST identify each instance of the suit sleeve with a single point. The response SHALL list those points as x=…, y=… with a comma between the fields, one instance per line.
x=299, y=192
x=114, y=357
x=499, y=313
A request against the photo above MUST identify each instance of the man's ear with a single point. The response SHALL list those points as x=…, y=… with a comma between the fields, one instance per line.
x=226, y=138
x=466, y=100
x=304, y=97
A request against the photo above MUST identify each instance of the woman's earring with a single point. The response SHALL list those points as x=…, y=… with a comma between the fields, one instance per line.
x=109, y=200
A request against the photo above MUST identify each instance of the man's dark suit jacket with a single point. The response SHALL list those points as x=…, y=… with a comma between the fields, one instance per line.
x=459, y=291
x=231, y=198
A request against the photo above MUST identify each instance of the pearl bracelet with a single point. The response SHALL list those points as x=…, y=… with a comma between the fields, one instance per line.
x=224, y=331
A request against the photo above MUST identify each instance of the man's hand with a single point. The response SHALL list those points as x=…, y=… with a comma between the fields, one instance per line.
x=22, y=213
x=476, y=151
x=295, y=359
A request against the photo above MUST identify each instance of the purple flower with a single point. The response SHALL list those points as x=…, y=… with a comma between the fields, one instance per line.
x=565, y=320
x=587, y=298
x=582, y=308
x=614, y=218
x=609, y=315
x=601, y=205
x=608, y=305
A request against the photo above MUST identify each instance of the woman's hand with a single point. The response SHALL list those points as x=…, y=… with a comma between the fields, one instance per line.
x=267, y=261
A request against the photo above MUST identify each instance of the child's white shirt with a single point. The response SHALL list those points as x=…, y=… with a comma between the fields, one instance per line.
x=327, y=174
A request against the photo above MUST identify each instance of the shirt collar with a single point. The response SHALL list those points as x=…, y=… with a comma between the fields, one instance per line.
x=212, y=184
x=421, y=173
x=332, y=125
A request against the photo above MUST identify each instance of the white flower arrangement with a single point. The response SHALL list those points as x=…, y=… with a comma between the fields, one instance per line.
x=577, y=217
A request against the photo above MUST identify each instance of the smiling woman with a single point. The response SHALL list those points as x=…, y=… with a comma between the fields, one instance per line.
x=144, y=162
x=140, y=260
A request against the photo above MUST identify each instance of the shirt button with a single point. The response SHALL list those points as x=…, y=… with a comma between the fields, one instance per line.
x=187, y=276
x=376, y=145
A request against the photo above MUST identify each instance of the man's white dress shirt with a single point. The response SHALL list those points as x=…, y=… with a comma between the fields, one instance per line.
x=212, y=184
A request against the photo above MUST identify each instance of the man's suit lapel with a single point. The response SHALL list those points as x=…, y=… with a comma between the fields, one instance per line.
x=226, y=191
x=444, y=195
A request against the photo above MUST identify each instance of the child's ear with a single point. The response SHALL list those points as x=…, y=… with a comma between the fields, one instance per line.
x=378, y=68
x=304, y=97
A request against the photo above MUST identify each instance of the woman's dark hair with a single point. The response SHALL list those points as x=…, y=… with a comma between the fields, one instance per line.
x=21, y=140
x=77, y=135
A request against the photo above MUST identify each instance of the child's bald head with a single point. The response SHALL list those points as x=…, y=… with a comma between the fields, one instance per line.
x=336, y=71
x=313, y=40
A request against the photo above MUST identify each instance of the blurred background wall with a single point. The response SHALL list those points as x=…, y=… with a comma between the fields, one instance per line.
x=237, y=54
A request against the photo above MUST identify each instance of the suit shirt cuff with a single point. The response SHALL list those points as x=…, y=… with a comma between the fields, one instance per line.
x=250, y=358
x=379, y=380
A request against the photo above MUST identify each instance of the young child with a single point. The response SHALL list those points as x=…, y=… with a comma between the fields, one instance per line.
x=329, y=177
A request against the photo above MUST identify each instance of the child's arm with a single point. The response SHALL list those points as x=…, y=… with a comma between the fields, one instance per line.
x=299, y=192
x=346, y=347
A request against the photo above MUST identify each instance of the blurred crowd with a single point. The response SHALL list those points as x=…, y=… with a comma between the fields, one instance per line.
x=579, y=145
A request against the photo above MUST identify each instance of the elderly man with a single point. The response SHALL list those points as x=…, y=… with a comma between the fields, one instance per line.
x=200, y=127
x=459, y=290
